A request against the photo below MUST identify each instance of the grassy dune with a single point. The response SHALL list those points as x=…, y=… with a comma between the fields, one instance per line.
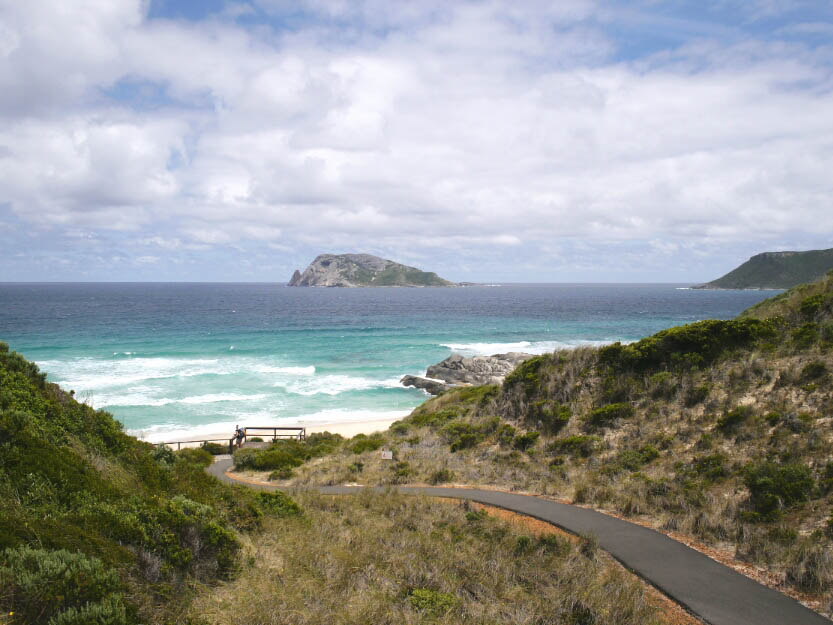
x=719, y=431
x=395, y=559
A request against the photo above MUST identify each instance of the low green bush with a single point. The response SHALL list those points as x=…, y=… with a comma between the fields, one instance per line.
x=696, y=395
x=461, y=435
x=215, y=449
x=401, y=471
x=278, y=503
x=811, y=306
x=712, y=467
x=527, y=375
x=607, y=416
x=550, y=416
x=399, y=428
x=526, y=441
x=662, y=385
x=432, y=603
x=43, y=586
x=195, y=455
x=582, y=446
x=441, y=477
x=505, y=434
x=732, y=419
x=806, y=335
x=813, y=371
x=435, y=419
x=479, y=395
x=634, y=459
x=686, y=347
x=773, y=487
x=281, y=474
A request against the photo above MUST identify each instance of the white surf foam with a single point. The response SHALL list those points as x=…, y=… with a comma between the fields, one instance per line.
x=145, y=399
x=529, y=347
x=168, y=432
x=334, y=385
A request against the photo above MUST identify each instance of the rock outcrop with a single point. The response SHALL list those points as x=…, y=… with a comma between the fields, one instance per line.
x=458, y=370
x=353, y=270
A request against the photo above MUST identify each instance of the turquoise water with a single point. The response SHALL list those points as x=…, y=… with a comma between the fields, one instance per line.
x=174, y=360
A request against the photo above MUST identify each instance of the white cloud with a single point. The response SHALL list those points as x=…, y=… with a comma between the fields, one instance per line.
x=465, y=126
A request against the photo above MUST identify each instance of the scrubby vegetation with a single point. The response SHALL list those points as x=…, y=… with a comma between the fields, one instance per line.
x=718, y=430
x=98, y=527
x=388, y=558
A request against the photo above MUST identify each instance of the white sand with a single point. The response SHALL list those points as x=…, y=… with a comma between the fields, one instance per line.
x=346, y=429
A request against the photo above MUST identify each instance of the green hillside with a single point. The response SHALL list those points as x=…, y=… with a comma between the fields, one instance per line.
x=718, y=431
x=96, y=526
x=776, y=270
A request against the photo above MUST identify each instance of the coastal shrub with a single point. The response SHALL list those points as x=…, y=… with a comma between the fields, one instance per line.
x=215, y=449
x=479, y=395
x=582, y=446
x=441, y=477
x=281, y=474
x=732, y=419
x=401, y=471
x=278, y=503
x=775, y=486
x=399, y=428
x=505, y=434
x=549, y=416
x=813, y=371
x=432, y=603
x=44, y=586
x=164, y=455
x=361, y=443
x=685, y=347
x=433, y=419
x=461, y=435
x=526, y=441
x=527, y=375
x=696, y=394
x=606, y=416
x=662, y=385
x=811, y=566
x=195, y=455
x=811, y=306
x=806, y=335
x=635, y=459
x=712, y=467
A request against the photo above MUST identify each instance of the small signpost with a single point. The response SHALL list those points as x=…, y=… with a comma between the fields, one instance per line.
x=387, y=454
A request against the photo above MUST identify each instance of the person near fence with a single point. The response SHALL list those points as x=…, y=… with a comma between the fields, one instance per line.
x=239, y=435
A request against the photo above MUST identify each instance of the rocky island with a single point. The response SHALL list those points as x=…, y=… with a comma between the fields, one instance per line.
x=357, y=270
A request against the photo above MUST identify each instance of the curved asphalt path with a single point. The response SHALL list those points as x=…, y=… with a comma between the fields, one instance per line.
x=713, y=592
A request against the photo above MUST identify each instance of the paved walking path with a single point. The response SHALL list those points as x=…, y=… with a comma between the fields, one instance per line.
x=715, y=593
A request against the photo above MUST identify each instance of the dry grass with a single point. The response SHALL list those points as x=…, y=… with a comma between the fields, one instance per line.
x=662, y=493
x=387, y=558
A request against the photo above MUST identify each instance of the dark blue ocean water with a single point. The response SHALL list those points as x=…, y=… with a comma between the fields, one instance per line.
x=173, y=358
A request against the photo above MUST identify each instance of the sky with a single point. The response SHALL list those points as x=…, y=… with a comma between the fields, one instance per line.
x=518, y=141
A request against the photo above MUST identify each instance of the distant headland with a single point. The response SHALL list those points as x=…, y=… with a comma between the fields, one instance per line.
x=356, y=270
x=776, y=270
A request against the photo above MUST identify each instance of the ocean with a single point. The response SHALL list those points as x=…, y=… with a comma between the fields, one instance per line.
x=174, y=360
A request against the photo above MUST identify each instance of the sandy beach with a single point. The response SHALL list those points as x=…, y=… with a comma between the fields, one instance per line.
x=346, y=429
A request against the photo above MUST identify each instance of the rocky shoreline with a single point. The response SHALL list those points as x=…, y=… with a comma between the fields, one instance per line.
x=459, y=370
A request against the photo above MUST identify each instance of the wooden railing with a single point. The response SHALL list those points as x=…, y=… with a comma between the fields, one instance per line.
x=297, y=433
x=300, y=433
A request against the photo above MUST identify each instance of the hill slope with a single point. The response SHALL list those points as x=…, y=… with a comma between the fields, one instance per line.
x=776, y=270
x=96, y=526
x=718, y=431
x=354, y=270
